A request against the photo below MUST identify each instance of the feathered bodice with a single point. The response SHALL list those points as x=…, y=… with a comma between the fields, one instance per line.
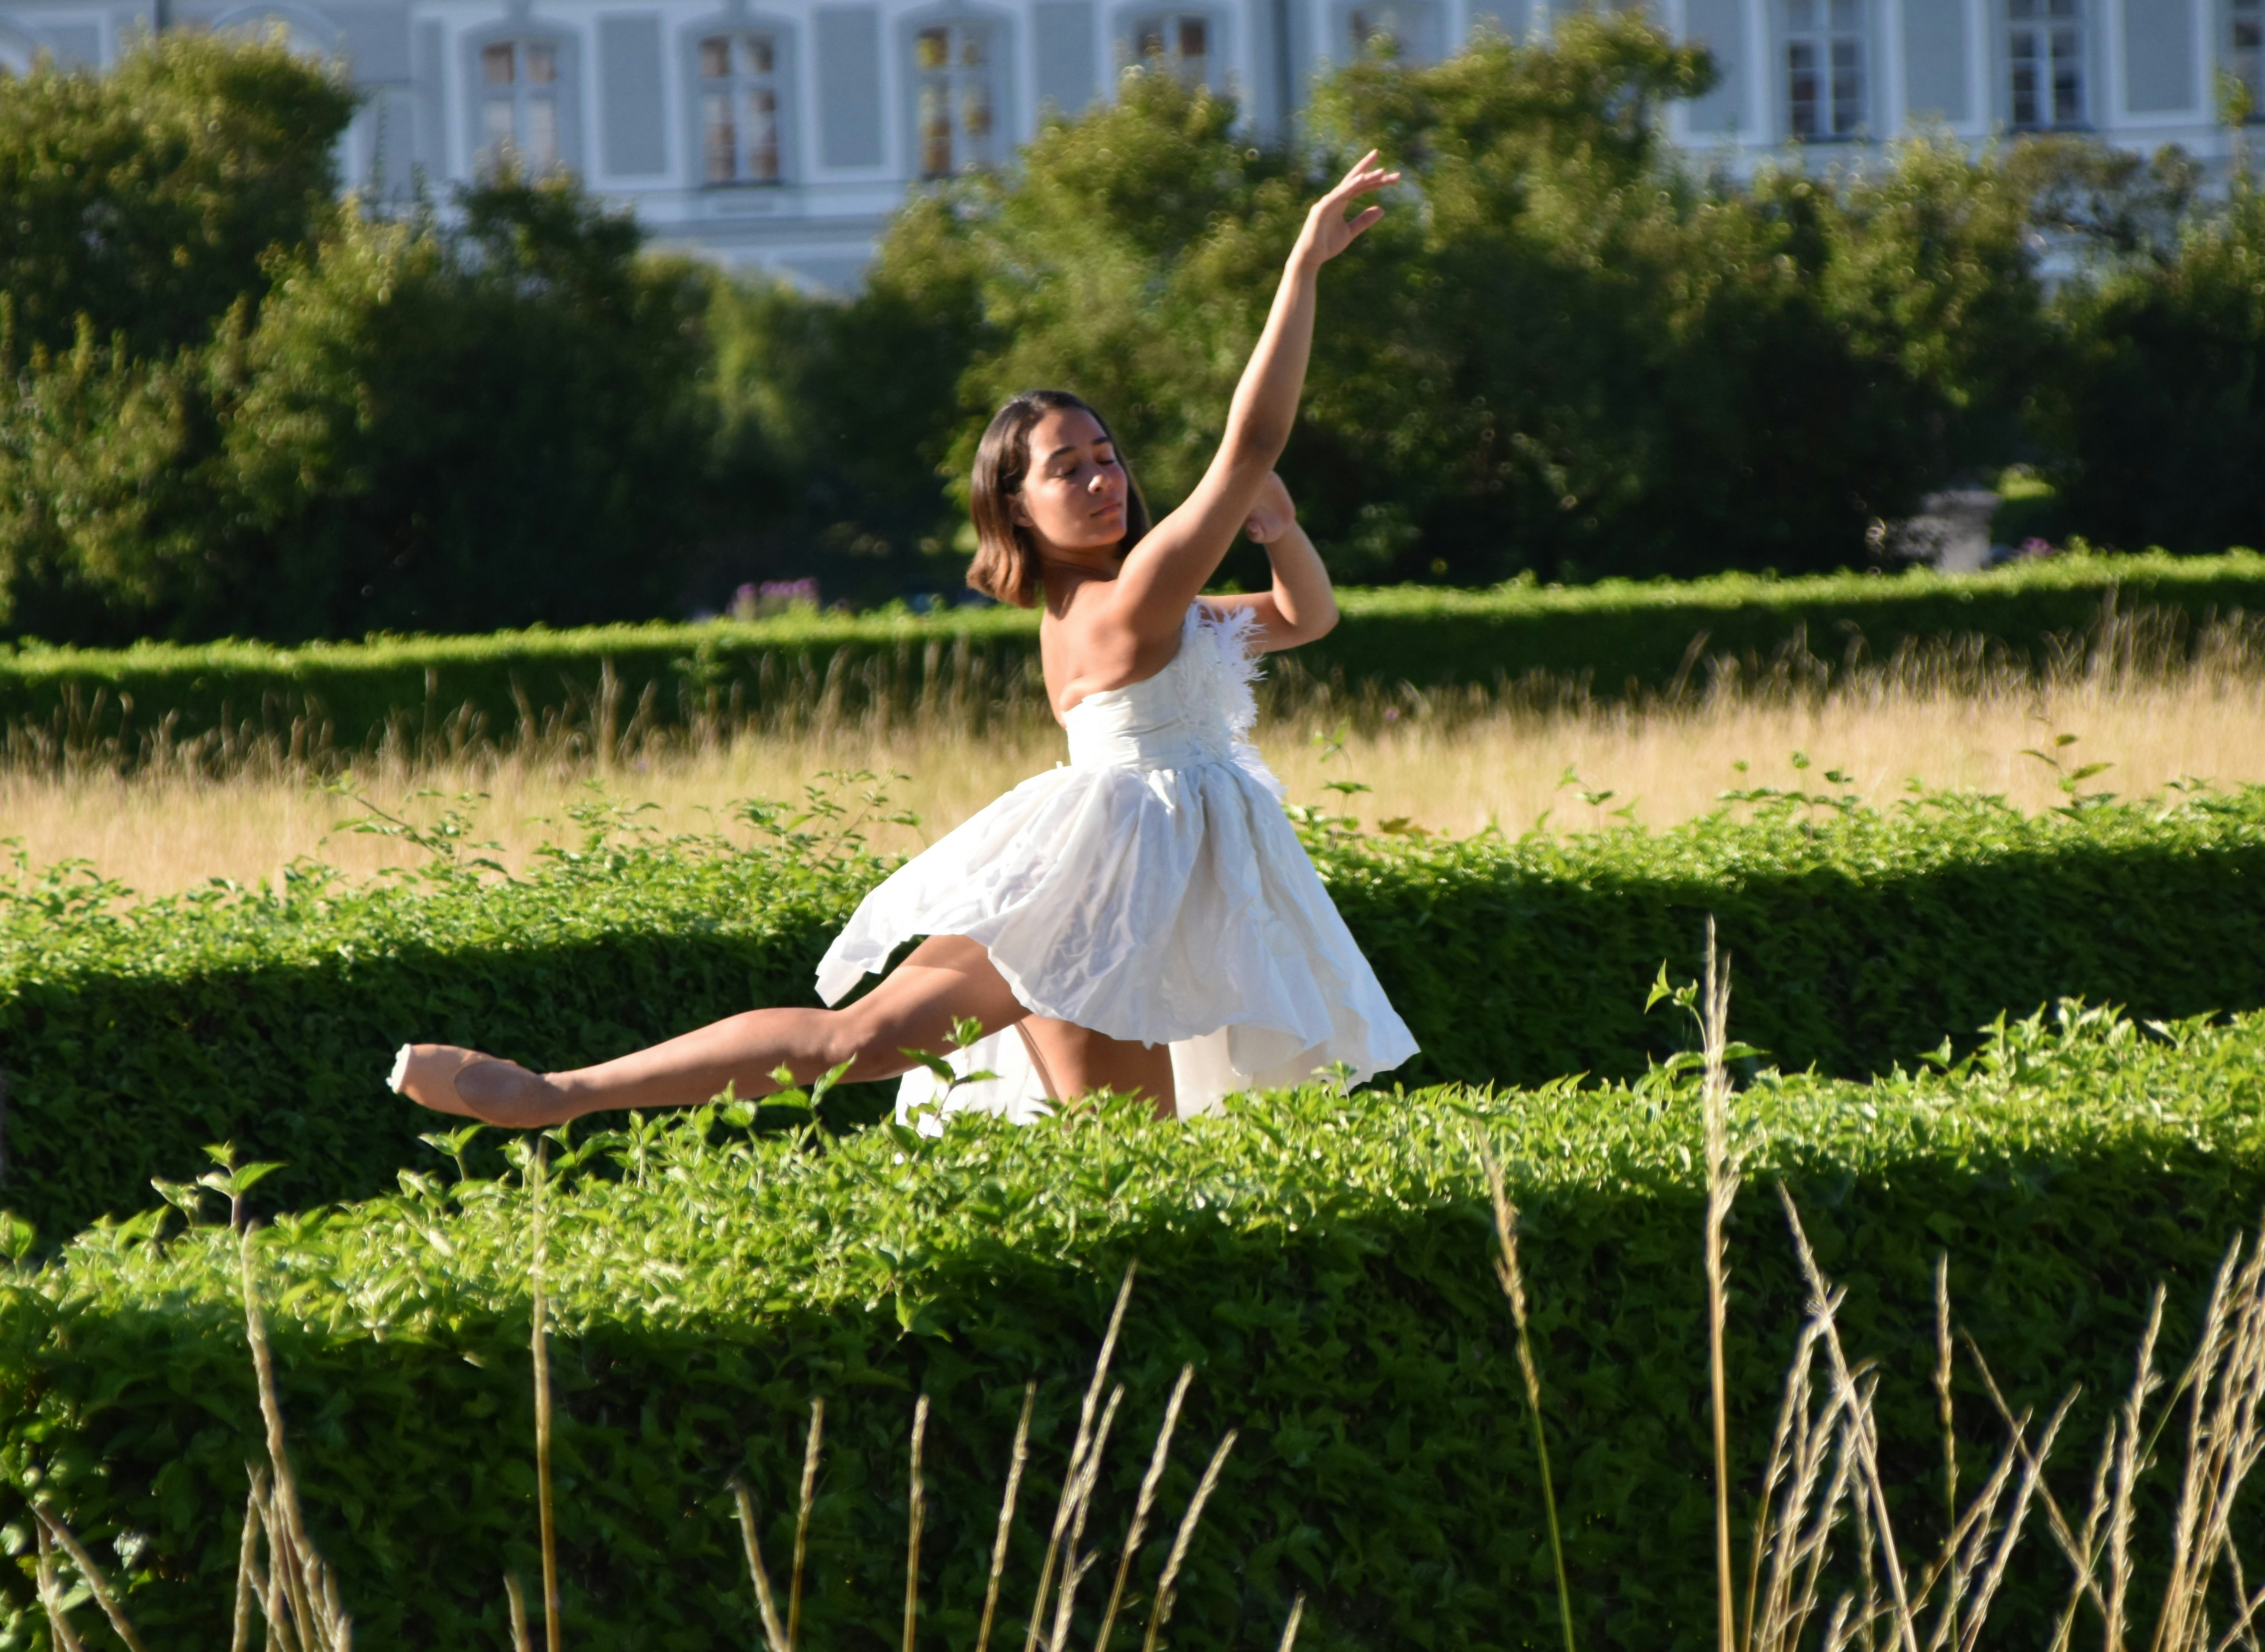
x=1198, y=710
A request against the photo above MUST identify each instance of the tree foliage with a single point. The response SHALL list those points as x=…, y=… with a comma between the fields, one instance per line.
x=148, y=201
x=1559, y=354
x=2154, y=409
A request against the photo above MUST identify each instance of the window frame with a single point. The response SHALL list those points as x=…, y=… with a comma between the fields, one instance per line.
x=567, y=100
x=1124, y=31
x=999, y=68
x=2229, y=51
x=785, y=83
x=2087, y=82
x=1824, y=35
x=1431, y=48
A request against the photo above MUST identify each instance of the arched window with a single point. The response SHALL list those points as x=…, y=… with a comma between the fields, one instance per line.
x=2044, y=52
x=1177, y=43
x=519, y=94
x=1824, y=68
x=956, y=97
x=740, y=107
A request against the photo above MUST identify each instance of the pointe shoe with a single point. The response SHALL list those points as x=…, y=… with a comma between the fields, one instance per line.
x=430, y=1075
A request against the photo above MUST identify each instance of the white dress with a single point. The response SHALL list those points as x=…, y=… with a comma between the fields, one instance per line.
x=1151, y=889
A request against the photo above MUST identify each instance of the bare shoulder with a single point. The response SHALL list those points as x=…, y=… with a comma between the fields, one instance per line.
x=1087, y=645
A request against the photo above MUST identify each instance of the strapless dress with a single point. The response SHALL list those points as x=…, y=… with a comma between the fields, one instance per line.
x=1152, y=889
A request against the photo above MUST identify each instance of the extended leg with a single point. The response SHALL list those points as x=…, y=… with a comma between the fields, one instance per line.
x=946, y=977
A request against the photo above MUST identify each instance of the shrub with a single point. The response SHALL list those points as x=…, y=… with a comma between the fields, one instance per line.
x=1615, y=637
x=1323, y=1262
x=137, y=1033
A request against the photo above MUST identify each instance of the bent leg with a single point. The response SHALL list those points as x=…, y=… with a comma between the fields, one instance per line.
x=947, y=977
x=1076, y=1061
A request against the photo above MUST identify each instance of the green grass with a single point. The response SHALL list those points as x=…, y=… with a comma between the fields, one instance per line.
x=1323, y=1264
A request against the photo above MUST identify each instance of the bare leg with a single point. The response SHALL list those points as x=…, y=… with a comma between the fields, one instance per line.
x=1077, y=1060
x=946, y=977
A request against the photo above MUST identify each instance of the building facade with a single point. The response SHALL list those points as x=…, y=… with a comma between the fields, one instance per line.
x=781, y=133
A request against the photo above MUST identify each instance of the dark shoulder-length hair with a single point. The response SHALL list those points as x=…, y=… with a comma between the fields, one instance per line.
x=1005, y=565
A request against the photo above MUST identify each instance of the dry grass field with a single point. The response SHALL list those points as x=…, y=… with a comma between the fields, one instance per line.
x=1511, y=763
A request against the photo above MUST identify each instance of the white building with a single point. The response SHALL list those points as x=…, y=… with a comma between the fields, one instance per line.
x=781, y=133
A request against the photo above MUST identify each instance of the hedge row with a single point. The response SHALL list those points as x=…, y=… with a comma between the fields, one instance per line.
x=1324, y=1265
x=1619, y=635
x=135, y=1033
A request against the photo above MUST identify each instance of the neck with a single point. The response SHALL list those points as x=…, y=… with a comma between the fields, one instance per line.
x=1069, y=569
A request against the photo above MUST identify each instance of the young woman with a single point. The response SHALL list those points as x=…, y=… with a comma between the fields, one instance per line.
x=1143, y=920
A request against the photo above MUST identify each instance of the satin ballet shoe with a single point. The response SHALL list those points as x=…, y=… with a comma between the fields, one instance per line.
x=431, y=1075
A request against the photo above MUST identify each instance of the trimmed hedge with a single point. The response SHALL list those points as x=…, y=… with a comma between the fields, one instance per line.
x=1619, y=635
x=1324, y=1265
x=134, y=1034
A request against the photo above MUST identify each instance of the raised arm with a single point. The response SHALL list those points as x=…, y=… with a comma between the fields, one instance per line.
x=1301, y=605
x=1177, y=557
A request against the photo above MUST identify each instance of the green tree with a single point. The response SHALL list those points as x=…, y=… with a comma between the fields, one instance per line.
x=1559, y=353
x=836, y=416
x=151, y=197
x=2154, y=407
x=498, y=424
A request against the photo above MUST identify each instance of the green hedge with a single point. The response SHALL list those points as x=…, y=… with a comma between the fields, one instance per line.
x=135, y=1033
x=1323, y=1264
x=1617, y=635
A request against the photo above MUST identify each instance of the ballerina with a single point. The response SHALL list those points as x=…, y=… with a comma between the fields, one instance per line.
x=1142, y=919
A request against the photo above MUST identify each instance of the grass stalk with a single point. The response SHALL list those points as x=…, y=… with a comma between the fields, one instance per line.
x=540, y=1346
x=1143, y=1504
x=1946, y=1416
x=757, y=1575
x=915, y=1516
x=1077, y=1560
x=1513, y=1278
x=1167, y=1586
x=95, y=1581
x=1722, y=1192
x=516, y=1598
x=1016, y=1463
x=51, y=1597
x=1067, y=1507
x=247, y=1566
x=299, y=1578
x=1290, y=1629
x=809, y=1496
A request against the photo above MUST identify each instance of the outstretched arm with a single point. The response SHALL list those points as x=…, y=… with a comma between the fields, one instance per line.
x=1165, y=570
x=1302, y=605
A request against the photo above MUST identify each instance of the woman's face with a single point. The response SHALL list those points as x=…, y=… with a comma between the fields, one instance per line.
x=1073, y=494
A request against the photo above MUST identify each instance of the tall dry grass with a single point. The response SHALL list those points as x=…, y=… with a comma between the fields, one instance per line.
x=1517, y=757
x=1824, y=1538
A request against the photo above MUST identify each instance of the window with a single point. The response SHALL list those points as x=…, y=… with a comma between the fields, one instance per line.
x=1176, y=43
x=1399, y=29
x=739, y=108
x=2246, y=65
x=2045, y=48
x=519, y=105
x=1824, y=68
x=955, y=118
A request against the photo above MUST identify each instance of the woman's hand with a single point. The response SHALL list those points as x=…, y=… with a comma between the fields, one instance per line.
x=1272, y=513
x=1328, y=231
